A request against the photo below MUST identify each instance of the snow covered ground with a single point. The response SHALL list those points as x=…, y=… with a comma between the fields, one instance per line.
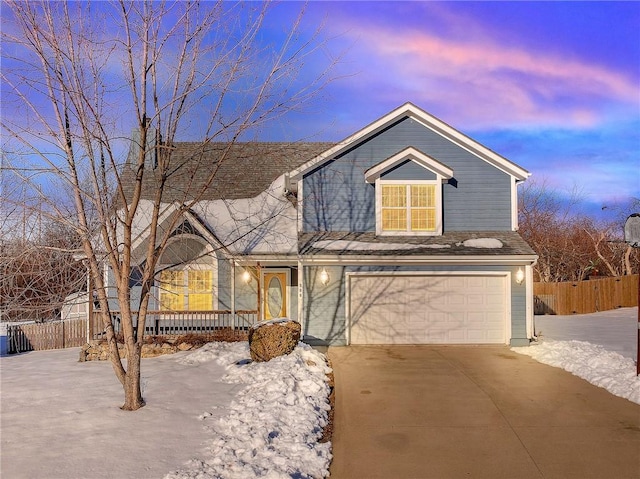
x=212, y=410
x=599, y=347
x=207, y=411
x=615, y=330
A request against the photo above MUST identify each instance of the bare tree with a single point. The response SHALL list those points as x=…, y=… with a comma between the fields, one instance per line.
x=571, y=245
x=78, y=75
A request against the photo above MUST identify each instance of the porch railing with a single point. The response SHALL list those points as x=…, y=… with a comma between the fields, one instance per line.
x=167, y=323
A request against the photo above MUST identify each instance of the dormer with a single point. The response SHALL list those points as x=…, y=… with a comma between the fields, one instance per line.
x=408, y=188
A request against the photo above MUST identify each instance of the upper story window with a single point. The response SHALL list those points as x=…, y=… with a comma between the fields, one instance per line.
x=408, y=206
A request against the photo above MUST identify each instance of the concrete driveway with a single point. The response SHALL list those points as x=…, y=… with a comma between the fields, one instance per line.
x=474, y=411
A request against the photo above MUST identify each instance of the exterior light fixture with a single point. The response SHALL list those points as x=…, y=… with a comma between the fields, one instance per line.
x=519, y=276
x=324, y=277
x=246, y=276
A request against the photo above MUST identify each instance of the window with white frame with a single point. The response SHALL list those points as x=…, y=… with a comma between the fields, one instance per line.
x=186, y=290
x=408, y=207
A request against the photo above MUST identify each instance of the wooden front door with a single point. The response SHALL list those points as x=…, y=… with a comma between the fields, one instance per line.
x=274, y=302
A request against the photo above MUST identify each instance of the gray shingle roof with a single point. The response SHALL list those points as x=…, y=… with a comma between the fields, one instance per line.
x=244, y=171
x=448, y=244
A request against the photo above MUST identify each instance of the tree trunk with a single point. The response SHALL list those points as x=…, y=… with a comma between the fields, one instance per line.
x=132, y=390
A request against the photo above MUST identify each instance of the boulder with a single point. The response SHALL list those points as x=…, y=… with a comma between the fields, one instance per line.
x=270, y=339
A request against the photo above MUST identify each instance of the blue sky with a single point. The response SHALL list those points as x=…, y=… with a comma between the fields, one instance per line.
x=553, y=86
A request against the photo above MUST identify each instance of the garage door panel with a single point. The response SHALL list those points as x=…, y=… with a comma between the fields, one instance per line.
x=415, y=309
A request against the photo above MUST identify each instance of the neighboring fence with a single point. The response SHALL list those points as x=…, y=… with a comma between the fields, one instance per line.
x=40, y=336
x=584, y=297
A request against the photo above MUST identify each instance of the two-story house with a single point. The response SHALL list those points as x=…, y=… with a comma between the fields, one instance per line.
x=403, y=233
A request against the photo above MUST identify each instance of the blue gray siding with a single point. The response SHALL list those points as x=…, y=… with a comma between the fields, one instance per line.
x=325, y=311
x=336, y=197
x=408, y=170
x=324, y=307
x=224, y=282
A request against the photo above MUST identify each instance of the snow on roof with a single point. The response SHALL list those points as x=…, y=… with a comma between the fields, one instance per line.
x=482, y=243
x=343, y=245
x=265, y=224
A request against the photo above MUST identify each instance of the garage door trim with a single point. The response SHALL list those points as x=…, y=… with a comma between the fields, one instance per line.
x=504, y=274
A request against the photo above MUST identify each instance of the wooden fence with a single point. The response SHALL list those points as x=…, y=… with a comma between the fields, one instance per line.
x=584, y=297
x=39, y=336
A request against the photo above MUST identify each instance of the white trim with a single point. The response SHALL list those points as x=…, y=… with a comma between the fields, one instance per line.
x=438, y=187
x=514, y=205
x=187, y=215
x=441, y=171
x=507, y=295
x=438, y=126
x=301, y=299
x=233, y=293
x=509, y=260
x=300, y=205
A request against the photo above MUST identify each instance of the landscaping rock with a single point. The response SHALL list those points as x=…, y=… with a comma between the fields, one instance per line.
x=269, y=340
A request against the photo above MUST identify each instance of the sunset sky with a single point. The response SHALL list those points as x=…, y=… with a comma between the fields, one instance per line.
x=553, y=86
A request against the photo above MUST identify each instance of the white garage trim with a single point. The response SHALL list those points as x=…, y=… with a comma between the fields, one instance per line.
x=503, y=274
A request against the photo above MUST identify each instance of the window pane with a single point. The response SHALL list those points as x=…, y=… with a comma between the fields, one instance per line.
x=423, y=219
x=394, y=219
x=423, y=196
x=200, y=288
x=200, y=302
x=394, y=195
x=172, y=290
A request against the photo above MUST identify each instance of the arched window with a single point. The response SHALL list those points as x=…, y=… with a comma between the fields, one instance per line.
x=188, y=277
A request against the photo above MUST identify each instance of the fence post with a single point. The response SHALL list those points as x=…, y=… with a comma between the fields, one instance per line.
x=4, y=339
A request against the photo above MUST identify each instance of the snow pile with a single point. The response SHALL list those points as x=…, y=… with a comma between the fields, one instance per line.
x=274, y=423
x=481, y=243
x=345, y=245
x=267, y=322
x=606, y=369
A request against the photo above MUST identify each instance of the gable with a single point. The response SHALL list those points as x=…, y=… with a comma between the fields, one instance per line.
x=407, y=164
x=406, y=170
x=436, y=126
x=336, y=196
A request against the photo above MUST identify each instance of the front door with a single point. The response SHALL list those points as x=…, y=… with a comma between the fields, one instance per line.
x=274, y=303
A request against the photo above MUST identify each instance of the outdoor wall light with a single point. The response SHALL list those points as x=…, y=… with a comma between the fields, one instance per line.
x=324, y=277
x=519, y=276
x=246, y=276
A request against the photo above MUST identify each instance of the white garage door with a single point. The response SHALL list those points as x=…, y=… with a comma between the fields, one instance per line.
x=424, y=309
